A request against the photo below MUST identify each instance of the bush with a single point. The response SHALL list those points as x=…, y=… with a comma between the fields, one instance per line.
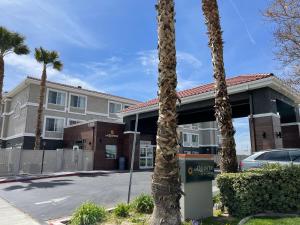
x=122, y=210
x=88, y=214
x=273, y=188
x=143, y=204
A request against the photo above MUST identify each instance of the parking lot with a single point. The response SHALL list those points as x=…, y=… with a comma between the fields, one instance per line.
x=58, y=197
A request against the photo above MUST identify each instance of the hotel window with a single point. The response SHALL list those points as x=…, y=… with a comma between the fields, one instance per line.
x=186, y=142
x=195, y=140
x=126, y=106
x=73, y=122
x=54, y=125
x=110, y=151
x=115, y=107
x=55, y=97
x=78, y=101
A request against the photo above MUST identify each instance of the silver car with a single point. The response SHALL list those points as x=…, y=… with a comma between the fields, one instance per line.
x=280, y=156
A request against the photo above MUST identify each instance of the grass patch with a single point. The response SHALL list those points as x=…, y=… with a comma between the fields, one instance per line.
x=274, y=221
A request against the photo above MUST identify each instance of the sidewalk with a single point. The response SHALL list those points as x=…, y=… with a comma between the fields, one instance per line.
x=10, y=215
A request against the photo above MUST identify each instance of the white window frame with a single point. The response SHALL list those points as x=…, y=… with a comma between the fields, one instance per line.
x=44, y=127
x=69, y=119
x=189, y=142
x=114, y=103
x=192, y=143
x=59, y=91
x=69, y=106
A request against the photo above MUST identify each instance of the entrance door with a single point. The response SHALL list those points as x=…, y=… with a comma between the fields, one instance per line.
x=146, y=156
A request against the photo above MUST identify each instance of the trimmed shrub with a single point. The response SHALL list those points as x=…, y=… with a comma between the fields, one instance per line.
x=273, y=188
x=88, y=214
x=122, y=210
x=143, y=204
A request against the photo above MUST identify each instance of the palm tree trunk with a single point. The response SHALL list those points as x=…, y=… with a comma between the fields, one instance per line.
x=1, y=77
x=223, y=111
x=38, y=130
x=166, y=189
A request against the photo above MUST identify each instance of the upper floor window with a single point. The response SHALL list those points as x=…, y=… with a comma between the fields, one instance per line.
x=54, y=124
x=126, y=106
x=115, y=107
x=73, y=122
x=56, y=97
x=78, y=101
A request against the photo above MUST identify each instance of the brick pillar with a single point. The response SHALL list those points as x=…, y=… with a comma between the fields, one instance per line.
x=291, y=135
x=265, y=131
x=127, y=150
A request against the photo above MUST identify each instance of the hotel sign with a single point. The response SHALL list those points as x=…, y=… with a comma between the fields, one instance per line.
x=112, y=134
x=199, y=170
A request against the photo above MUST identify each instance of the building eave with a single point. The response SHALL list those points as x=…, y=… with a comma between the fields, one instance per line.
x=271, y=82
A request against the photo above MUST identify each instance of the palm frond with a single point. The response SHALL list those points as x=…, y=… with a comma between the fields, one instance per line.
x=12, y=42
x=58, y=65
x=38, y=55
x=21, y=50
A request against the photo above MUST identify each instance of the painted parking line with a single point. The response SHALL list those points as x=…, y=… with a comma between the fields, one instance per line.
x=52, y=201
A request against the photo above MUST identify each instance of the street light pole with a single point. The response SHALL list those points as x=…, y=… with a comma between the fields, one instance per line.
x=132, y=155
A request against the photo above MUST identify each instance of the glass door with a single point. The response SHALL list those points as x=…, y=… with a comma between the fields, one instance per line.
x=146, y=157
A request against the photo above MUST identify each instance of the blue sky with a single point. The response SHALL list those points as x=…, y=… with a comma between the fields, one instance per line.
x=110, y=45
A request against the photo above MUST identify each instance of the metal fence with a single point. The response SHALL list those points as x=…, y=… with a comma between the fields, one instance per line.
x=16, y=161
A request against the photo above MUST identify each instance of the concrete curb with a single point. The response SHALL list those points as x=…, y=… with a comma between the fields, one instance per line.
x=271, y=214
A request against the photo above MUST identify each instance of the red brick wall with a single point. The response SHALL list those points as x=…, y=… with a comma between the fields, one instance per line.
x=291, y=136
x=270, y=125
x=102, y=139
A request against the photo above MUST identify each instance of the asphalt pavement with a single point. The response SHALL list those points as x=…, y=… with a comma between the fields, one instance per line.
x=54, y=198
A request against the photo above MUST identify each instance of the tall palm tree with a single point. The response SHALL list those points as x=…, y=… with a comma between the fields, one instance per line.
x=166, y=189
x=223, y=112
x=47, y=58
x=10, y=42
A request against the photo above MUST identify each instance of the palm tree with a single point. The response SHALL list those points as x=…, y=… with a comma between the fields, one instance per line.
x=10, y=42
x=223, y=112
x=166, y=189
x=47, y=58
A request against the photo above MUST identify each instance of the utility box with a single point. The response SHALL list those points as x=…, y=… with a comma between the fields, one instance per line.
x=197, y=174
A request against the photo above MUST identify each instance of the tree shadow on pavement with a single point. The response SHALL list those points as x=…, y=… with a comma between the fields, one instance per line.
x=29, y=185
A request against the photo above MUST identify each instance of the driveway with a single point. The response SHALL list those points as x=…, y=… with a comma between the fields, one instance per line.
x=58, y=197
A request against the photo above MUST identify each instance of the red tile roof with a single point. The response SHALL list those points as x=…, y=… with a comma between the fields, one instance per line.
x=205, y=88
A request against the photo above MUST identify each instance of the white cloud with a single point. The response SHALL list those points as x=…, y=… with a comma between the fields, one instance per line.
x=46, y=21
x=27, y=65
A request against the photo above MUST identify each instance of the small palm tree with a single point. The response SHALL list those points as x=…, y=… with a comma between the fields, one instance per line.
x=165, y=181
x=223, y=112
x=47, y=58
x=10, y=42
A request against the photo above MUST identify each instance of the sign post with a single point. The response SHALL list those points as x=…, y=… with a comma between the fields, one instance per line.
x=197, y=173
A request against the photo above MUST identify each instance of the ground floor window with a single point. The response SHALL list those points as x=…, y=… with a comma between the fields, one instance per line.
x=146, y=157
x=54, y=124
x=110, y=151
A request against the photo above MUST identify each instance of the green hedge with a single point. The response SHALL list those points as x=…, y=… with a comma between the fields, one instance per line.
x=273, y=188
